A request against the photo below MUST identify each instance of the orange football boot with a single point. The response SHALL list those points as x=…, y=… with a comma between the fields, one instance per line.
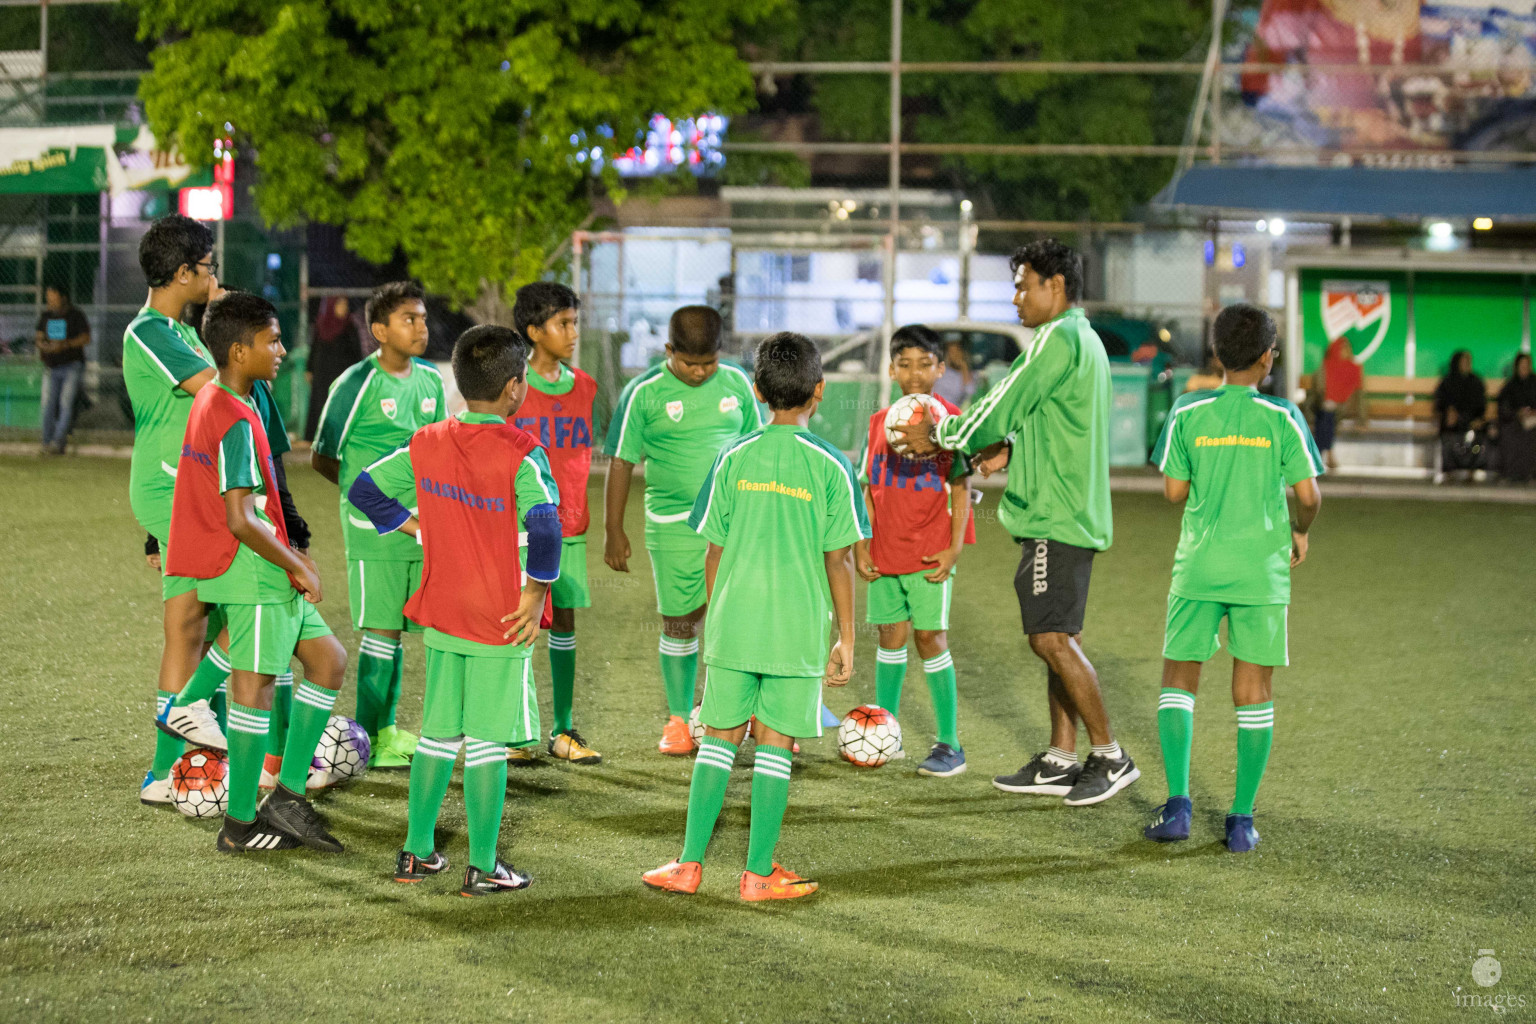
x=780, y=884
x=676, y=740
x=675, y=877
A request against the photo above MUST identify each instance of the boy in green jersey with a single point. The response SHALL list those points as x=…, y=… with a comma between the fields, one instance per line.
x=373, y=408
x=781, y=510
x=1228, y=455
x=676, y=416
x=227, y=535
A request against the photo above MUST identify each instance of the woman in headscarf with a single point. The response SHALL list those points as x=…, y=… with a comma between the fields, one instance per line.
x=335, y=348
x=1517, y=422
x=1461, y=402
x=1342, y=380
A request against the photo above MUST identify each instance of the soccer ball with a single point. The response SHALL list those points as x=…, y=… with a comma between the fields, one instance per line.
x=696, y=727
x=909, y=409
x=200, y=783
x=869, y=736
x=342, y=754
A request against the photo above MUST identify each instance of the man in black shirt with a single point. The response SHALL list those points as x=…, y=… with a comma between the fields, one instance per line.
x=62, y=334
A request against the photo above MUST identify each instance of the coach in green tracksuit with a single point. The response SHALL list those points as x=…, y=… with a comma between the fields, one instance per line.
x=1054, y=406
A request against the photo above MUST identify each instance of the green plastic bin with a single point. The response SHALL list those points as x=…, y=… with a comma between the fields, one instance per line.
x=1128, y=414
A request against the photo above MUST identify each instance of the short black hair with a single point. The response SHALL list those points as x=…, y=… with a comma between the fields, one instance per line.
x=1047, y=258
x=539, y=301
x=696, y=330
x=62, y=289
x=484, y=358
x=918, y=336
x=171, y=243
x=387, y=298
x=1243, y=333
x=234, y=319
x=786, y=370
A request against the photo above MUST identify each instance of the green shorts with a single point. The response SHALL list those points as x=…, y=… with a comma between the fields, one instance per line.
x=910, y=598
x=262, y=636
x=571, y=590
x=791, y=706
x=490, y=699
x=679, y=573
x=378, y=591
x=1256, y=633
x=171, y=586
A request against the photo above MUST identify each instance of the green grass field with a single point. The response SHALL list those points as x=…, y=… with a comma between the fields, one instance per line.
x=1396, y=815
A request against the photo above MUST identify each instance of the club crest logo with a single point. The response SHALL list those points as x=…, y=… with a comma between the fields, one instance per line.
x=428, y=406
x=1358, y=310
x=388, y=406
x=730, y=403
x=675, y=411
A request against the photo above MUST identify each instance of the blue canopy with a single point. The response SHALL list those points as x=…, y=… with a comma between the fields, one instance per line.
x=1356, y=191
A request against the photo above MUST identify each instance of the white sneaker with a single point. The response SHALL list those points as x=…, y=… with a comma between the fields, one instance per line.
x=155, y=792
x=268, y=780
x=196, y=724
x=319, y=778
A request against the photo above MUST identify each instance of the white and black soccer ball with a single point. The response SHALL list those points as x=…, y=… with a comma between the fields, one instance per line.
x=695, y=726
x=909, y=409
x=869, y=736
x=200, y=783
x=342, y=754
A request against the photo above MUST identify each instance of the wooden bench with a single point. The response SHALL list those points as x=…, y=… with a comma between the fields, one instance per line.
x=1408, y=398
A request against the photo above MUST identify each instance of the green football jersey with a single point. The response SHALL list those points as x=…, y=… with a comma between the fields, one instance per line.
x=776, y=501
x=678, y=430
x=250, y=579
x=1239, y=450
x=368, y=414
x=158, y=354
x=1054, y=404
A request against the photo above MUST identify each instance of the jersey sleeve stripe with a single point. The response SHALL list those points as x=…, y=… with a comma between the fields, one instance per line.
x=151, y=353
x=541, y=477
x=622, y=417
x=357, y=401
x=956, y=437
x=1172, y=424
x=853, y=485
x=1301, y=435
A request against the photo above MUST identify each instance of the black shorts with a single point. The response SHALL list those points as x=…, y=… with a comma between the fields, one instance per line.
x=1052, y=584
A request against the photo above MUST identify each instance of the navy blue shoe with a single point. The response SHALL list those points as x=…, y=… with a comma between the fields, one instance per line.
x=1241, y=835
x=1172, y=822
x=943, y=761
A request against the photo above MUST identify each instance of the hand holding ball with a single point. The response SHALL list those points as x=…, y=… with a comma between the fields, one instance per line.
x=906, y=424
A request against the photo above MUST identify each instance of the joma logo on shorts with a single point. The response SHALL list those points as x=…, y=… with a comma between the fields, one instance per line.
x=1040, y=567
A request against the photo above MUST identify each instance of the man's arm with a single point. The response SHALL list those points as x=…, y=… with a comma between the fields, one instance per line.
x=839, y=566
x=1309, y=501
x=375, y=493
x=298, y=529
x=1174, y=489
x=326, y=466
x=240, y=517
x=542, y=523
x=999, y=412
x=335, y=418
x=616, y=548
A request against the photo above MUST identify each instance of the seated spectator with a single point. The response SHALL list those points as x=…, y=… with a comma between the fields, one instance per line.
x=62, y=335
x=1517, y=423
x=1461, y=403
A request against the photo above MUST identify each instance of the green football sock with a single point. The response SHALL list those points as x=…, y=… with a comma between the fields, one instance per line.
x=311, y=710
x=375, y=671
x=940, y=670
x=167, y=747
x=392, y=698
x=219, y=705
x=679, y=667
x=706, y=795
x=431, y=771
x=247, y=749
x=1255, y=733
x=890, y=673
x=485, y=793
x=562, y=678
x=282, y=710
x=1176, y=730
x=212, y=672
x=770, y=798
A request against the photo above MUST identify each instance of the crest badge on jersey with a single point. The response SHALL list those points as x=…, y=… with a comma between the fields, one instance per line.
x=388, y=406
x=428, y=406
x=730, y=403
x=675, y=411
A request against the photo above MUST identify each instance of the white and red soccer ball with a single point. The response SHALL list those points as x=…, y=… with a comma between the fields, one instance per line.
x=907, y=410
x=200, y=783
x=869, y=736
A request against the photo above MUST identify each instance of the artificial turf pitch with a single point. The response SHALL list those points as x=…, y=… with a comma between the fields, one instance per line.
x=1396, y=815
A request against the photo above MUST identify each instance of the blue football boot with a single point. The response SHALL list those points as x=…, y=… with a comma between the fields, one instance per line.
x=1241, y=835
x=1172, y=822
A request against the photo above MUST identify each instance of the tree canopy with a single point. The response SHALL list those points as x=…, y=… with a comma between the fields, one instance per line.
x=447, y=130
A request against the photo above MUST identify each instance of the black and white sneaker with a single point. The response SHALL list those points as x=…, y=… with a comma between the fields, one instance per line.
x=411, y=868
x=195, y=724
x=1040, y=777
x=297, y=817
x=505, y=878
x=1102, y=778
x=259, y=836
